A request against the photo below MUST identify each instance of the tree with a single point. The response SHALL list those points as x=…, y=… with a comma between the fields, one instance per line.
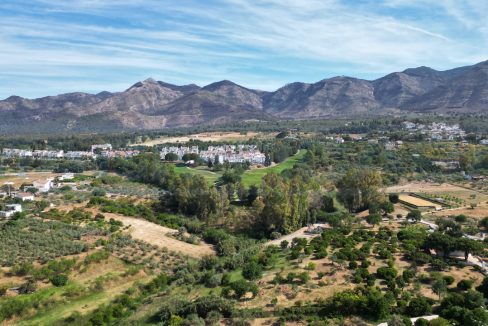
x=468, y=246
x=395, y=320
x=359, y=189
x=252, y=271
x=440, y=242
x=171, y=157
x=386, y=273
x=415, y=215
x=328, y=204
x=419, y=306
x=483, y=223
x=373, y=219
x=393, y=198
x=252, y=194
x=284, y=203
x=439, y=287
x=421, y=322
x=241, y=287
x=387, y=207
x=464, y=285
x=440, y=322
x=483, y=287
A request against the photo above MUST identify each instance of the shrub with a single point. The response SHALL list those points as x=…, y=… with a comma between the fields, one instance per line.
x=59, y=280
x=419, y=306
x=252, y=271
x=465, y=285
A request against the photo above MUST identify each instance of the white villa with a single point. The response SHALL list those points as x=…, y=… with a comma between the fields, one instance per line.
x=43, y=185
x=10, y=210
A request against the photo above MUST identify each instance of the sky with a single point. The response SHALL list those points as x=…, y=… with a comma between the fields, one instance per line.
x=58, y=46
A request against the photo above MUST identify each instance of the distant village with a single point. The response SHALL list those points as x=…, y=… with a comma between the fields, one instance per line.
x=221, y=154
x=98, y=150
x=436, y=130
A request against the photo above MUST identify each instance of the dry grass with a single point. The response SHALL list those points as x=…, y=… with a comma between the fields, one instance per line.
x=158, y=235
x=207, y=136
x=436, y=189
x=477, y=212
x=27, y=177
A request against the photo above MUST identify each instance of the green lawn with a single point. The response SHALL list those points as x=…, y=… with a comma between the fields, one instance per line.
x=210, y=176
x=253, y=177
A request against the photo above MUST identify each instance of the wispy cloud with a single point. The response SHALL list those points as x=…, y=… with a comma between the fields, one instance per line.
x=93, y=45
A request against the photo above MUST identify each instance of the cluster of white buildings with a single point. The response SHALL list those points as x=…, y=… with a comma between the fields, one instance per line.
x=106, y=151
x=223, y=153
x=437, y=130
x=178, y=151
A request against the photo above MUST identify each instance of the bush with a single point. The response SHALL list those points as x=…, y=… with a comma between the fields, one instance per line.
x=252, y=271
x=421, y=322
x=419, y=306
x=465, y=285
x=98, y=192
x=28, y=287
x=393, y=198
x=448, y=279
x=386, y=273
x=59, y=280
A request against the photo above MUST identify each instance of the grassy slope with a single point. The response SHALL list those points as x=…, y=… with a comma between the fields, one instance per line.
x=253, y=177
x=210, y=176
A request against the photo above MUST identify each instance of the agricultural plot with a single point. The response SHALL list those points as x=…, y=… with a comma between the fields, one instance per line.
x=159, y=236
x=453, y=195
x=417, y=202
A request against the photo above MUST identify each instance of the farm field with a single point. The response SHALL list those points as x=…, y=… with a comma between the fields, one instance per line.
x=207, y=136
x=418, y=202
x=158, y=235
x=463, y=195
x=113, y=270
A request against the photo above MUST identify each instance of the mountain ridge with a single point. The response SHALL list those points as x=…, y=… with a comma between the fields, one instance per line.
x=152, y=104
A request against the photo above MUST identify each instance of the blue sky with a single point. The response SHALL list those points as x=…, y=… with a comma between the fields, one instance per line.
x=57, y=46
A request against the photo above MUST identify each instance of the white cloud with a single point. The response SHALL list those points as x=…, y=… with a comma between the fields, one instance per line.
x=262, y=43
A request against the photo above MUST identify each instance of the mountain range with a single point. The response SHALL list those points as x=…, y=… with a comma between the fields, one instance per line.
x=152, y=104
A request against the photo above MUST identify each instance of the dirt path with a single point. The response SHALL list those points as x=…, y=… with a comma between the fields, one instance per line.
x=158, y=235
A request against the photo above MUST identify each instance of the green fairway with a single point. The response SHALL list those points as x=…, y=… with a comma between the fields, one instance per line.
x=210, y=176
x=253, y=177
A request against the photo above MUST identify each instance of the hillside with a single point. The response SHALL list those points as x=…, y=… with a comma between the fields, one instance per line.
x=152, y=104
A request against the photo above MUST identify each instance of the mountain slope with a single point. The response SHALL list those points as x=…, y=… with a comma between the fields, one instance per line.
x=151, y=104
x=464, y=92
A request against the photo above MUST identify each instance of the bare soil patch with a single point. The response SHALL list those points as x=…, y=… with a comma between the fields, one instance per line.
x=25, y=177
